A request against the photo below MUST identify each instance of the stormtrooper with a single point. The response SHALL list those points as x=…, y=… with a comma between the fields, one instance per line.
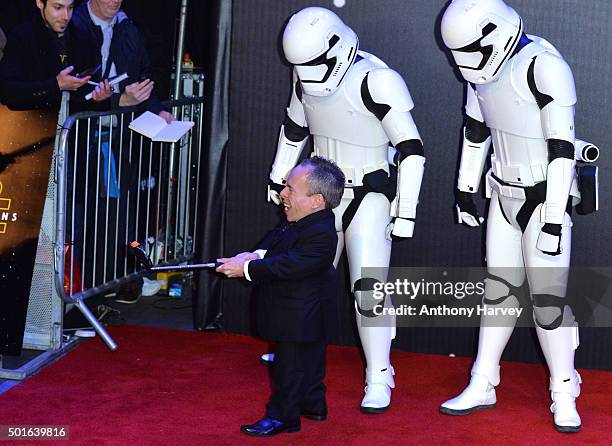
x=520, y=98
x=354, y=105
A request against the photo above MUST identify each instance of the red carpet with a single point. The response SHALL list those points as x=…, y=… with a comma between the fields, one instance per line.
x=167, y=387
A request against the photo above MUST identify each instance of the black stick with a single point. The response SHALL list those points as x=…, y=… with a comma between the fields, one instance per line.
x=141, y=257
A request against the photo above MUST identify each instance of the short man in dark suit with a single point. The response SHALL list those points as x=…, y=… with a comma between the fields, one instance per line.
x=296, y=288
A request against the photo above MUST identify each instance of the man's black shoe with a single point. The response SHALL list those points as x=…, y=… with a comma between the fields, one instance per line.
x=267, y=427
x=315, y=416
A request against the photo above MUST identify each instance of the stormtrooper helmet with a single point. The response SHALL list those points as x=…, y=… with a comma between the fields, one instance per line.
x=321, y=47
x=482, y=35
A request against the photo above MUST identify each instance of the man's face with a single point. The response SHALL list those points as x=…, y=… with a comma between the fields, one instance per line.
x=298, y=204
x=57, y=13
x=105, y=9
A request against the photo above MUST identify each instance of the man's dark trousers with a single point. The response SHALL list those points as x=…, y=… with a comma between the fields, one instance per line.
x=297, y=376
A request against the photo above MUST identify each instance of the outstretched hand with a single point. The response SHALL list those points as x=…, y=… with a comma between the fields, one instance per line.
x=102, y=92
x=67, y=82
x=232, y=267
x=136, y=93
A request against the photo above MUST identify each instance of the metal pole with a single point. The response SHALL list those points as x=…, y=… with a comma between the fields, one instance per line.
x=179, y=49
x=110, y=343
x=177, y=89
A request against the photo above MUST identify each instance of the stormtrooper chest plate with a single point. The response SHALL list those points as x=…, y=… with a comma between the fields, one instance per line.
x=342, y=115
x=508, y=105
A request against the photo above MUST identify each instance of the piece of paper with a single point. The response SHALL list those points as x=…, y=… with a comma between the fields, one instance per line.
x=111, y=82
x=154, y=127
x=173, y=131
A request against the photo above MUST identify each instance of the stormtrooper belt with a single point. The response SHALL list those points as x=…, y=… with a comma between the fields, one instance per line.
x=377, y=181
x=533, y=196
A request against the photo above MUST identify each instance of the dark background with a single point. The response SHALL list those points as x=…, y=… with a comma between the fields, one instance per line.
x=404, y=33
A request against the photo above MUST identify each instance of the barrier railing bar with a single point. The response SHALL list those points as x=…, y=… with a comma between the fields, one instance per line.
x=200, y=127
x=119, y=182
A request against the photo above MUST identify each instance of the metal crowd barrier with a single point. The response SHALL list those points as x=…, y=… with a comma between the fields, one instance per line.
x=114, y=186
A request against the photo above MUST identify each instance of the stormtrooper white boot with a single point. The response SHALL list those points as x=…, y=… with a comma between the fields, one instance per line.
x=480, y=392
x=565, y=414
x=376, y=334
x=478, y=395
x=558, y=346
x=378, y=390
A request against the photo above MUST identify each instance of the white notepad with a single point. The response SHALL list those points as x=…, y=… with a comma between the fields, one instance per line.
x=156, y=127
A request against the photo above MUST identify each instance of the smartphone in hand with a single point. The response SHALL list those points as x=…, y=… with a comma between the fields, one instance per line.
x=89, y=72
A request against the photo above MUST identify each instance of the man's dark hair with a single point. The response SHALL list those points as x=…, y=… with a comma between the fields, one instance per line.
x=74, y=3
x=325, y=178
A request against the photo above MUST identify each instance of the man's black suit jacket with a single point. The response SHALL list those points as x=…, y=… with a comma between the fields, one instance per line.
x=296, y=282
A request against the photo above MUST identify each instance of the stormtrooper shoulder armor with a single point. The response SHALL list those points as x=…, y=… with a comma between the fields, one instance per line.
x=387, y=87
x=553, y=78
x=374, y=60
x=542, y=42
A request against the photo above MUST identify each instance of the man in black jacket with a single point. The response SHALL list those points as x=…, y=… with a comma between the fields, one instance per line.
x=296, y=287
x=40, y=59
x=119, y=47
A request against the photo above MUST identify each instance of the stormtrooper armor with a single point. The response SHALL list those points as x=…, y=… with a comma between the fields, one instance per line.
x=354, y=105
x=520, y=99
